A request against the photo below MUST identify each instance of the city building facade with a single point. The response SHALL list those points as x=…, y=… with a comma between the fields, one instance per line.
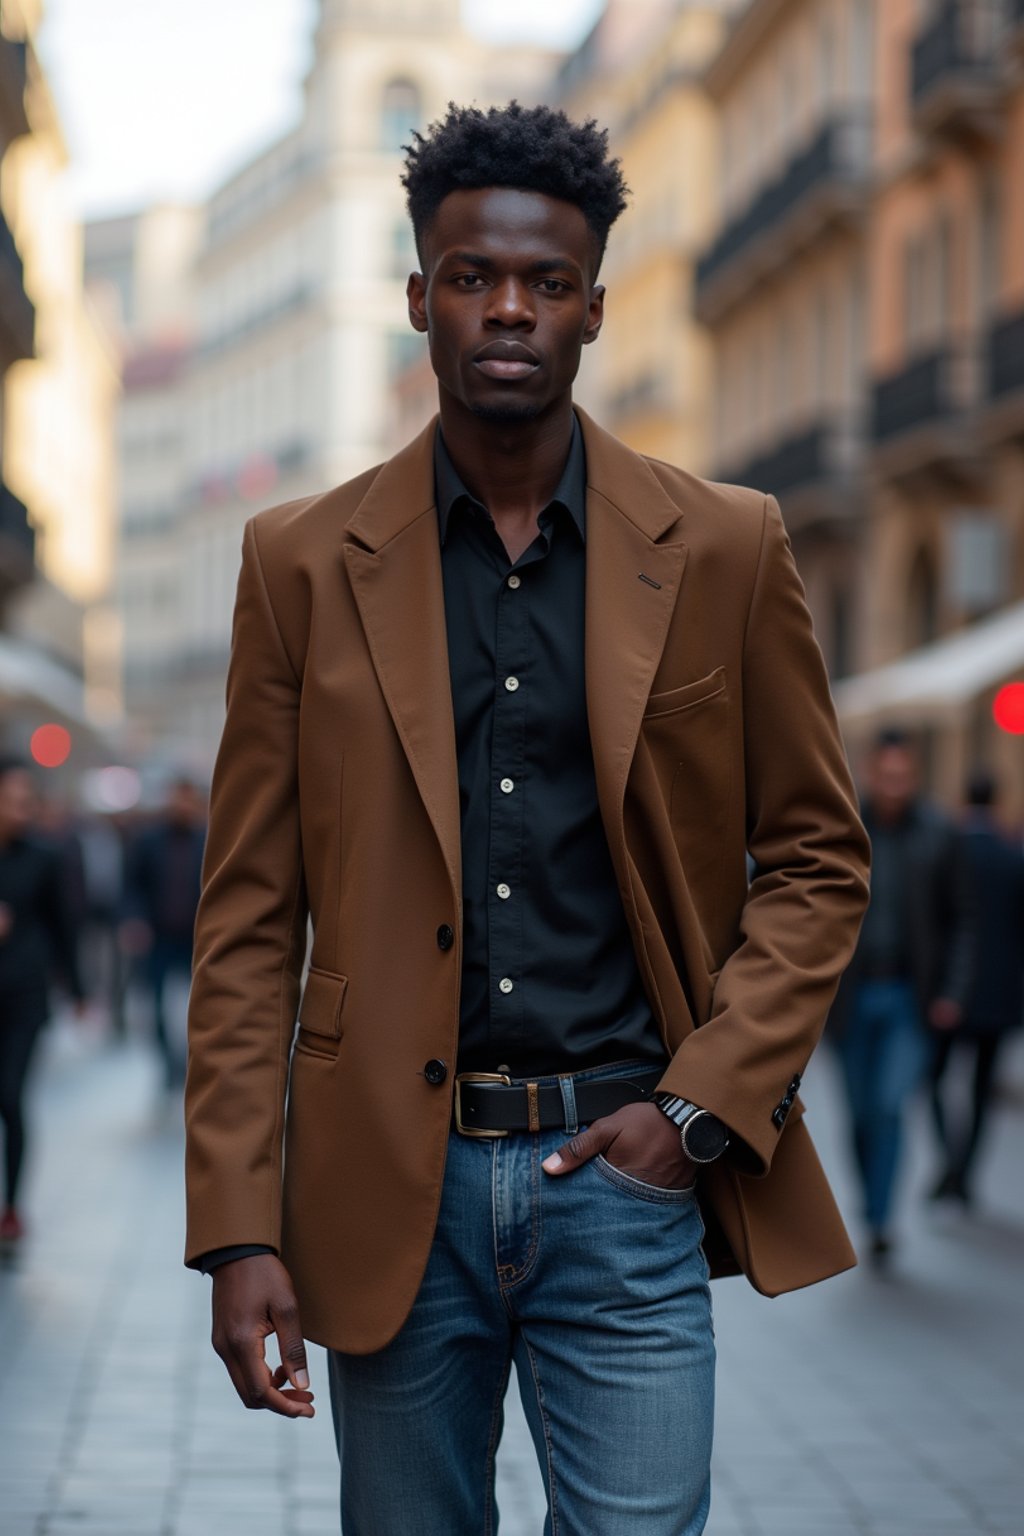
x=302, y=325
x=781, y=287
x=59, y=397
x=943, y=606
x=639, y=72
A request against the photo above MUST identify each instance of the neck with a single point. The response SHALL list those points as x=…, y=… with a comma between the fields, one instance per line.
x=509, y=466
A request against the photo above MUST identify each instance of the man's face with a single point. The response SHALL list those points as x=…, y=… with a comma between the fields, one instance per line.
x=507, y=299
x=892, y=780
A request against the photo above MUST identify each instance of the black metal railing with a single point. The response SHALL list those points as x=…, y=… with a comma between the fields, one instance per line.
x=809, y=458
x=838, y=153
x=959, y=42
x=1006, y=353
x=288, y=303
x=929, y=390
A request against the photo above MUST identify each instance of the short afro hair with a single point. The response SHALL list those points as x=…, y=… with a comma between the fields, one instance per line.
x=536, y=149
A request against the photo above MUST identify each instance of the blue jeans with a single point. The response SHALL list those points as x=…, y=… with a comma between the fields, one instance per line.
x=883, y=1056
x=596, y=1286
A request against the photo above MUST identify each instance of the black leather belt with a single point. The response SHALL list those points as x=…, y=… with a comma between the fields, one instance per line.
x=489, y=1104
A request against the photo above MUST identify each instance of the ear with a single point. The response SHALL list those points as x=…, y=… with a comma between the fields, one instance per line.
x=416, y=293
x=595, y=314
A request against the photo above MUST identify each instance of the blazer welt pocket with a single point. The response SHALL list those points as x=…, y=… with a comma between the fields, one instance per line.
x=320, y=1010
x=675, y=699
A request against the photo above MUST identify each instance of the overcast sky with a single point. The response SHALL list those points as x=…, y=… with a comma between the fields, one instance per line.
x=161, y=100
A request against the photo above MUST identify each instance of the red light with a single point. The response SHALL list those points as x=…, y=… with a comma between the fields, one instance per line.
x=50, y=746
x=1008, y=709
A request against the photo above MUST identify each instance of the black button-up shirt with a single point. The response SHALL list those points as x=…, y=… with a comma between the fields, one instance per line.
x=549, y=975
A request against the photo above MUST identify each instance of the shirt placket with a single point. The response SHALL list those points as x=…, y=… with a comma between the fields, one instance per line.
x=505, y=872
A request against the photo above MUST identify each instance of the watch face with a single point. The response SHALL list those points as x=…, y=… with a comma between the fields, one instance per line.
x=706, y=1138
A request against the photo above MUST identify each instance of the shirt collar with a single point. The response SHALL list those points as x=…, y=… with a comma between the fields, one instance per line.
x=570, y=492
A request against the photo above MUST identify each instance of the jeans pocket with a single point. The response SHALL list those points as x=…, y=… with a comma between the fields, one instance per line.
x=654, y=1194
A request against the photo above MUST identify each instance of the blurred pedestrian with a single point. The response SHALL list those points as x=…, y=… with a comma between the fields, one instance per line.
x=490, y=707
x=911, y=968
x=995, y=1000
x=37, y=941
x=102, y=846
x=161, y=897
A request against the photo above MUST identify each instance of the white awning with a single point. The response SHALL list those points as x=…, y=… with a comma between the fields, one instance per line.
x=28, y=677
x=936, y=682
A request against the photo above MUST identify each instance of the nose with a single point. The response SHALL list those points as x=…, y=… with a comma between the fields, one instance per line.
x=511, y=306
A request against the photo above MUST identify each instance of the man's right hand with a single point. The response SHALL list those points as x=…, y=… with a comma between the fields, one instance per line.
x=253, y=1298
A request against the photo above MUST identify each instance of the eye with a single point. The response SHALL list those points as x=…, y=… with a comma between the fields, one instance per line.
x=553, y=285
x=469, y=280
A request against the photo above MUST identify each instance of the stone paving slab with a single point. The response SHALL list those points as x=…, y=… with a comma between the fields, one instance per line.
x=875, y=1405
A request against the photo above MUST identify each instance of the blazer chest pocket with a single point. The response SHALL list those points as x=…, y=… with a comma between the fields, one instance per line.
x=674, y=700
x=320, y=1012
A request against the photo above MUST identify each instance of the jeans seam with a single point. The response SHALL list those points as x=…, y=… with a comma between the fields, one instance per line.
x=546, y=1427
x=520, y=1273
x=639, y=1188
x=492, y=1449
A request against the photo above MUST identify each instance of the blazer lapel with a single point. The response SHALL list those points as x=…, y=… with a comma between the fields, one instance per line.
x=395, y=573
x=393, y=559
x=633, y=577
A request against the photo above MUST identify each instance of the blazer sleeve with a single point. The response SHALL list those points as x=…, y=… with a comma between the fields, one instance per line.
x=249, y=942
x=809, y=887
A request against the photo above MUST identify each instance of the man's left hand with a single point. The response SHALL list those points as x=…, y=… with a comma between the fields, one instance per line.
x=638, y=1140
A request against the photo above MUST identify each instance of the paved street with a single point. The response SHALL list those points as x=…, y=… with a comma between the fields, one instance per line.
x=889, y=1406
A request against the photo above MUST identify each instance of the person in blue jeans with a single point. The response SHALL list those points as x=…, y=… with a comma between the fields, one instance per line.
x=519, y=1064
x=911, y=969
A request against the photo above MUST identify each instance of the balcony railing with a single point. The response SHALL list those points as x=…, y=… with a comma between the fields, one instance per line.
x=290, y=303
x=1006, y=354
x=926, y=393
x=953, y=62
x=825, y=452
x=17, y=313
x=17, y=542
x=837, y=157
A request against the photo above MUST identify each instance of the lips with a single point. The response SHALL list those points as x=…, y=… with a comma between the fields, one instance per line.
x=506, y=360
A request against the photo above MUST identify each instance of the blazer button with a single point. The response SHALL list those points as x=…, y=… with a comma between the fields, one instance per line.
x=445, y=936
x=435, y=1071
x=779, y=1117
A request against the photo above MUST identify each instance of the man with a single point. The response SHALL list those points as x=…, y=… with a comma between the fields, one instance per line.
x=37, y=939
x=504, y=716
x=161, y=897
x=995, y=1000
x=911, y=968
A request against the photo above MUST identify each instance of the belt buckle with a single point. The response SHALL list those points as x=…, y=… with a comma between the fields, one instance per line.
x=475, y=1132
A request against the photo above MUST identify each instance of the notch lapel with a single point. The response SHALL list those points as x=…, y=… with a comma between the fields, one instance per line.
x=396, y=581
x=627, y=618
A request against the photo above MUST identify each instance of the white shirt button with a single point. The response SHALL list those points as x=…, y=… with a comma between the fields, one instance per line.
x=511, y=683
x=504, y=891
x=513, y=582
x=507, y=786
x=504, y=985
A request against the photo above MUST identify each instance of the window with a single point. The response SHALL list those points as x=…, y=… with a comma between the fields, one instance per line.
x=400, y=113
x=402, y=258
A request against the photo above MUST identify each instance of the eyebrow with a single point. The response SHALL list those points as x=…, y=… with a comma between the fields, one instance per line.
x=544, y=265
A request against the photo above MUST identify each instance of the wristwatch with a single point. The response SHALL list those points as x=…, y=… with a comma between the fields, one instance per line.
x=703, y=1135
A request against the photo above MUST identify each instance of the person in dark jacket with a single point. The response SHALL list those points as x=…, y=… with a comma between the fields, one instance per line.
x=36, y=938
x=995, y=1001
x=162, y=894
x=911, y=968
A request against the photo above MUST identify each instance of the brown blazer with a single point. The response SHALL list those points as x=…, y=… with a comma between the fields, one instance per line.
x=335, y=795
